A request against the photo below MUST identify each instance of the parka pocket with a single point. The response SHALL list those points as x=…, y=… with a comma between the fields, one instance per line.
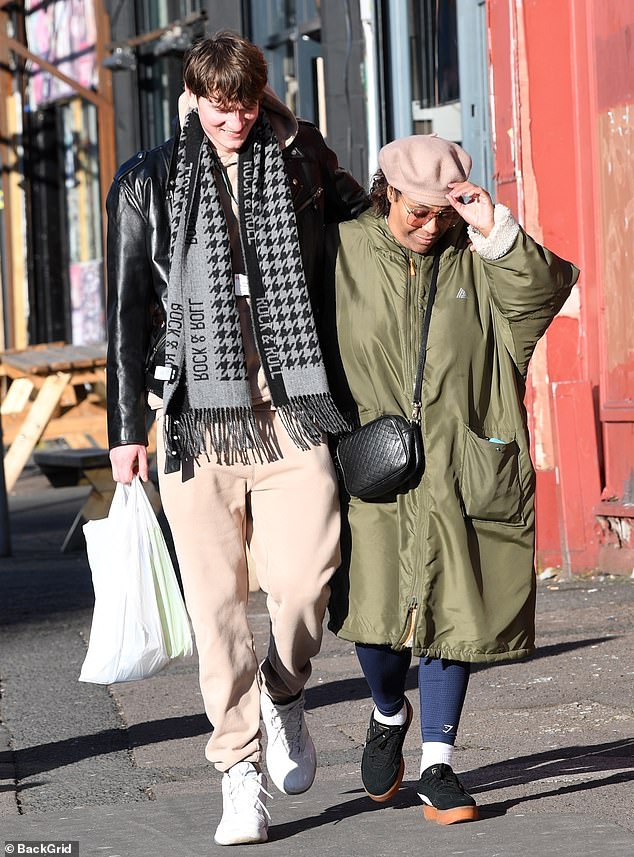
x=490, y=480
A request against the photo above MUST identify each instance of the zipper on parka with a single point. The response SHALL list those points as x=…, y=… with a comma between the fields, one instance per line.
x=412, y=309
x=407, y=637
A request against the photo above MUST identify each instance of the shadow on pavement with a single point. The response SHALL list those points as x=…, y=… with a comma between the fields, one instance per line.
x=502, y=807
x=559, y=764
x=350, y=689
x=57, y=754
x=405, y=799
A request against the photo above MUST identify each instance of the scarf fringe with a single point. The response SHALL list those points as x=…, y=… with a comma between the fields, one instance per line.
x=308, y=418
x=232, y=433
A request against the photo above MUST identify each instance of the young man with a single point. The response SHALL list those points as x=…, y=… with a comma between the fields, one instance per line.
x=215, y=269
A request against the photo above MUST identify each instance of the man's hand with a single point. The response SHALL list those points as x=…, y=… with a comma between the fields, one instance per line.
x=477, y=211
x=127, y=461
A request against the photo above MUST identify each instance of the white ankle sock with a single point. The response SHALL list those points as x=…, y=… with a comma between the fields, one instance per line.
x=436, y=753
x=397, y=719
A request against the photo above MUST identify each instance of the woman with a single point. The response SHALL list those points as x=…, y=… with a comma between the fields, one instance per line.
x=443, y=571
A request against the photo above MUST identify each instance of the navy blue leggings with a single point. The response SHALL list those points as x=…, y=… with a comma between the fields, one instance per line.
x=442, y=686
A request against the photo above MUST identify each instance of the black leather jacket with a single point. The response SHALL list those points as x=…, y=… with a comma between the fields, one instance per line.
x=138, y=207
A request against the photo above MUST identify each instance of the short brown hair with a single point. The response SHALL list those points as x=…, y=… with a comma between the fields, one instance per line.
x=228, y=68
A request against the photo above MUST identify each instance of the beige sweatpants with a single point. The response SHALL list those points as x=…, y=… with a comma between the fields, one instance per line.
x=287, y=512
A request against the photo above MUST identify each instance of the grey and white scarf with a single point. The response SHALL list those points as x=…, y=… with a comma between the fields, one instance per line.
x=207, y=399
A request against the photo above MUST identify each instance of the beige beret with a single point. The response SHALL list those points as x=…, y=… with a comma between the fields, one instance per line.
x=422, y=166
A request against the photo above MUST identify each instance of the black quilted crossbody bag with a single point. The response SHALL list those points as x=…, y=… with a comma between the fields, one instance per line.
x=386, y=455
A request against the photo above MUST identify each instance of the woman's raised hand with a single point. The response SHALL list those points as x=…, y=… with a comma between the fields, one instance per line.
x=477, y=211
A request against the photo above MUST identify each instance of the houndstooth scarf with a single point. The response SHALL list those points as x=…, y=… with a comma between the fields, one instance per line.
x=207, y=399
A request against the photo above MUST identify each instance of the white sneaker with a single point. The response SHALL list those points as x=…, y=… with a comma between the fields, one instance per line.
x=245, y=818
x=290, y=753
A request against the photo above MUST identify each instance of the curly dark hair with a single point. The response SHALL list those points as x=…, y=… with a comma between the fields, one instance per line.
x=378, y=194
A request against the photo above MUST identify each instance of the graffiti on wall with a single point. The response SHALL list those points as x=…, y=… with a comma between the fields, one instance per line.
x=62, y=32
x=86, y=300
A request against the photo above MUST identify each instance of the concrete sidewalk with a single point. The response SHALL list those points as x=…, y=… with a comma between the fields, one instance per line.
x=329, y=820
x=546, y=746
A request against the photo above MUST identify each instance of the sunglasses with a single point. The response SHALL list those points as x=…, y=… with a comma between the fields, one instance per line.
x=421, y=216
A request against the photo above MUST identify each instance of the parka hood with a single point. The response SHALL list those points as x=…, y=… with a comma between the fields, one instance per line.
x=281, y=118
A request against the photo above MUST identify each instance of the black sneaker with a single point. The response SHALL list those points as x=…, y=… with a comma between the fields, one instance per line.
x=382, y=765
x=444, y=796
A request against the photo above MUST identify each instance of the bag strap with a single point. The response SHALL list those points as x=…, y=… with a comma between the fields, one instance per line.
x=416, y=400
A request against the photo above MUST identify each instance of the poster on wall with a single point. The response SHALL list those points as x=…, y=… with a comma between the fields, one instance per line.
x=86, y=302
x=64, y=33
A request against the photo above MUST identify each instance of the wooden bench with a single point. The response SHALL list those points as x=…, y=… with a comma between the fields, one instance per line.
x=57, y=374
x=65, y=467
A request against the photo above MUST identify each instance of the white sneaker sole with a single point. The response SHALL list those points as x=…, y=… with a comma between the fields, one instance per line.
x=241, y=837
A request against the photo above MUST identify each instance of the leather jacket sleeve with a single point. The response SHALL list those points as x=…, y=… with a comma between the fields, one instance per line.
x=129, y=297
x=345, y=198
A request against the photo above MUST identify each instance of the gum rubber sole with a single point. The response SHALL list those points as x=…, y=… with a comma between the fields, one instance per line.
x=401, y=771
x=451, y=816
x=391, y=792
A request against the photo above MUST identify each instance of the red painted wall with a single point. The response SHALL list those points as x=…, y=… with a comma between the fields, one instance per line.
x=552, y=123
x=541, y=77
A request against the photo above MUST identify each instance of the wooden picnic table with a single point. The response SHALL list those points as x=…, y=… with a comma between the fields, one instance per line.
x=59, y=374
x=40, y=361
x=62, y=407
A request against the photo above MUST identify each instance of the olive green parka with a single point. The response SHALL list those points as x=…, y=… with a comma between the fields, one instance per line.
x=448, y=567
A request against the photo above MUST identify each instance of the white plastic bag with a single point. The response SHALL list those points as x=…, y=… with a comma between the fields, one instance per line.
x=139, y=621
x=175, y=625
